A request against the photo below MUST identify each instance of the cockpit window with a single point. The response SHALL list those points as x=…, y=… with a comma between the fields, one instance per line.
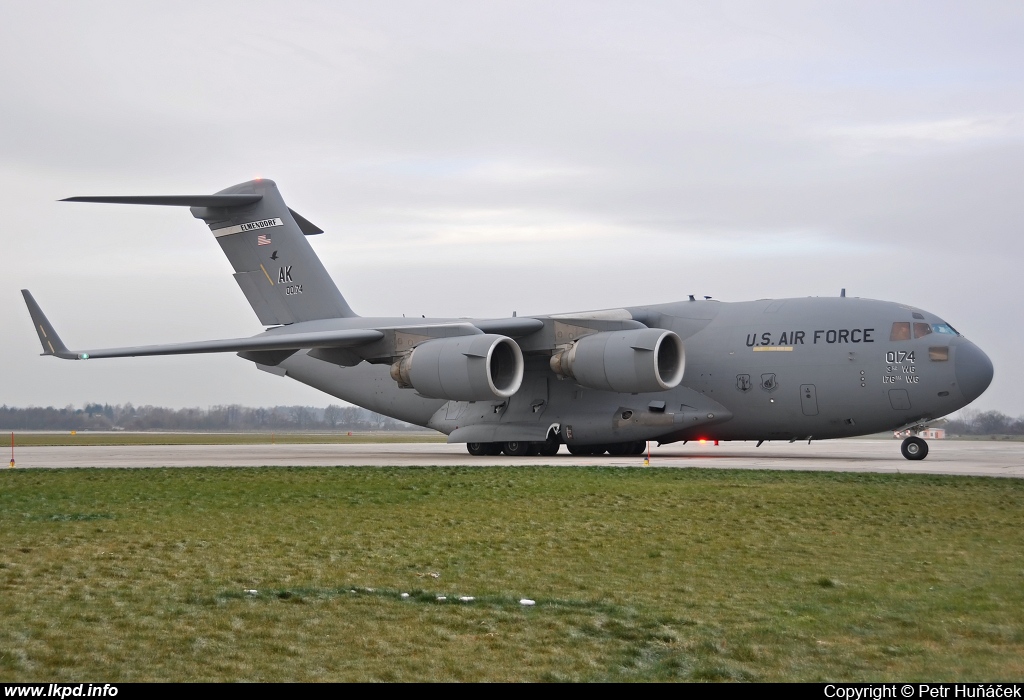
x=900, y=331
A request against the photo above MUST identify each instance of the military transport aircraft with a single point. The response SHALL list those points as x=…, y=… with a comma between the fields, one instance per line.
x=598, y=381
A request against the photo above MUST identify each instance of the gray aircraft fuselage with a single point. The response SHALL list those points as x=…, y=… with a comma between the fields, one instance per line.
x=761, y=370
x=787, y=369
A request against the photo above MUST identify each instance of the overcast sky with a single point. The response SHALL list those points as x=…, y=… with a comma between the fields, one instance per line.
x=471, y=159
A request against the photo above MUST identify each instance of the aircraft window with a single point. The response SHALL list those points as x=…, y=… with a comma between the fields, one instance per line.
x=921, y=330
x=944, y=328
x=938, y=354
x=900, y=331
x=918, y=316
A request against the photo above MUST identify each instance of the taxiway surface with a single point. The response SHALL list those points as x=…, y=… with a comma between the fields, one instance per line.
x=1005, y=459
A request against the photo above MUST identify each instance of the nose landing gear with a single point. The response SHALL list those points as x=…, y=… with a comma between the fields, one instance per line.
x=914, y=448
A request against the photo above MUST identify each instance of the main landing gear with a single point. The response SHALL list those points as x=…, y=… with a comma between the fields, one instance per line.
x=549, y=448
x=914, y=448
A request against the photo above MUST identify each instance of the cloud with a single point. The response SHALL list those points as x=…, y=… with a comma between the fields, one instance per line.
x=897, y=137
x=474, y=158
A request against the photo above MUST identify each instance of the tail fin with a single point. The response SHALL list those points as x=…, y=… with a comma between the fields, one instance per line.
x=265, y=242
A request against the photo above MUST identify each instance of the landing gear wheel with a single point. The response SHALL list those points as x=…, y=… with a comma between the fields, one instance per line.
x=549, y=448
x=619, y=449
x=585, y=450
x=914, y=448
x=516, y=449
x=478, y=449
x=639, y=447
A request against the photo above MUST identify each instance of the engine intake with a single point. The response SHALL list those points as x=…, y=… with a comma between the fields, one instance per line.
x=463, y=368
x=633, y=361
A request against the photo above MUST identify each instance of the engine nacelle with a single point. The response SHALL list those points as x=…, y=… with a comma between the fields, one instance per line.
x=633, y=361
x=463, y=368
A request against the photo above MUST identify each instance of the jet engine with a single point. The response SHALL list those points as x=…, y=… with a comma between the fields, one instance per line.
x=633, y=361
x=463, y=368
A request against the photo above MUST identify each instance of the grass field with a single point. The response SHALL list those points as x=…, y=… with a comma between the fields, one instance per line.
x=26, y=439
x=130, y=575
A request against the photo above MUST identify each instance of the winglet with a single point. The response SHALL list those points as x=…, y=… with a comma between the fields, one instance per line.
x=52, y=344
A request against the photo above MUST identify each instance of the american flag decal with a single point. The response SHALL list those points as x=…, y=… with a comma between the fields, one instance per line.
x=263, y=239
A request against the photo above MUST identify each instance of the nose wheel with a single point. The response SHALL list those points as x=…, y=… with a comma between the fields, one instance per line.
x=914, y=448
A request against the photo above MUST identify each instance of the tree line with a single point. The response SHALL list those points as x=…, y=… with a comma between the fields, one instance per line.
x=232, y=418
x=972, y=422
x=237, y=418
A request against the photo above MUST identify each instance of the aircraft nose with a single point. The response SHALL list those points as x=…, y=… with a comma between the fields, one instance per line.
x=973, y=370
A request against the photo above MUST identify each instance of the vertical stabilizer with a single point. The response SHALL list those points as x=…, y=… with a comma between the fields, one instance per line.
x=274, y=264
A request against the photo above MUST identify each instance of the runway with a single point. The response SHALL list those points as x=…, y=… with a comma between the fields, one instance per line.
x=981, y=458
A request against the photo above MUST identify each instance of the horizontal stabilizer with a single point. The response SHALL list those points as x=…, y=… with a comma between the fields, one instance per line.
x=307, y=227
x=178, y=200
x=199, y=200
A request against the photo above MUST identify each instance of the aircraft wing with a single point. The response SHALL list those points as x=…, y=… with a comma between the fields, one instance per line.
x=52, y=344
